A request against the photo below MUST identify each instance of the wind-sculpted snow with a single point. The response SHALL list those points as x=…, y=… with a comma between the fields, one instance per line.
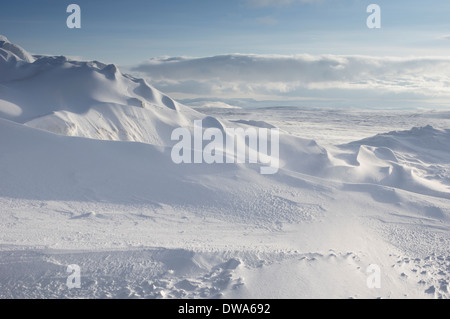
x=87, y=178
x=416, y=160
x=15, y=50
x=86, y=99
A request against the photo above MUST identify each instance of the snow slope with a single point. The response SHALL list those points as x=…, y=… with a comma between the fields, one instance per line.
x=104, y=193
x=86, y=99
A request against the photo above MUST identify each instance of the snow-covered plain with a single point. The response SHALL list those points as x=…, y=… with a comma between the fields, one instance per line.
x=86, y=178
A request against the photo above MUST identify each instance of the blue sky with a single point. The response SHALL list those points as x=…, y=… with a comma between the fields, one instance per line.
x=127, y=32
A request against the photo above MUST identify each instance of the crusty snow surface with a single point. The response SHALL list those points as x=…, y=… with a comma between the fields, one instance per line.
x=86, y=178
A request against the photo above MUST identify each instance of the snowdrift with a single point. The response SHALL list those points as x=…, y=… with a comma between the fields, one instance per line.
x=85, y=164
x=94, y=100
x=85, y=99
x=415, y=160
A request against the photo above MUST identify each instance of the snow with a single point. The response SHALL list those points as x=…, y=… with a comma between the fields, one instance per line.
x=16, y=50
x=86, y=178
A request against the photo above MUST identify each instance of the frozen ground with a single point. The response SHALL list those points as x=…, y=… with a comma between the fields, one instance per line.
x=86, y=178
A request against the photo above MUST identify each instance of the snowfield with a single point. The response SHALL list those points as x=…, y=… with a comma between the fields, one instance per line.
x=86, y=178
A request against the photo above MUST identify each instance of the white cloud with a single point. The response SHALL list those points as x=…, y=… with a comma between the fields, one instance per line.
x=300, y=76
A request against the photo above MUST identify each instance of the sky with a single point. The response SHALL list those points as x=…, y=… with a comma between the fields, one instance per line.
x=209, y=38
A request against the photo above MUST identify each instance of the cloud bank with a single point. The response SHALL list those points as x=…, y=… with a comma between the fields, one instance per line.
x=300, y=76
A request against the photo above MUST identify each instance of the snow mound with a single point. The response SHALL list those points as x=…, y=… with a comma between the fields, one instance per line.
x=212, y=122
x=425, y=143
x=85, y=99
x=415, y=160
x=19, y=52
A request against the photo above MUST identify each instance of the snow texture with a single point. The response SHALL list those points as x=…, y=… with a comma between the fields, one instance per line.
x=86, y=178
